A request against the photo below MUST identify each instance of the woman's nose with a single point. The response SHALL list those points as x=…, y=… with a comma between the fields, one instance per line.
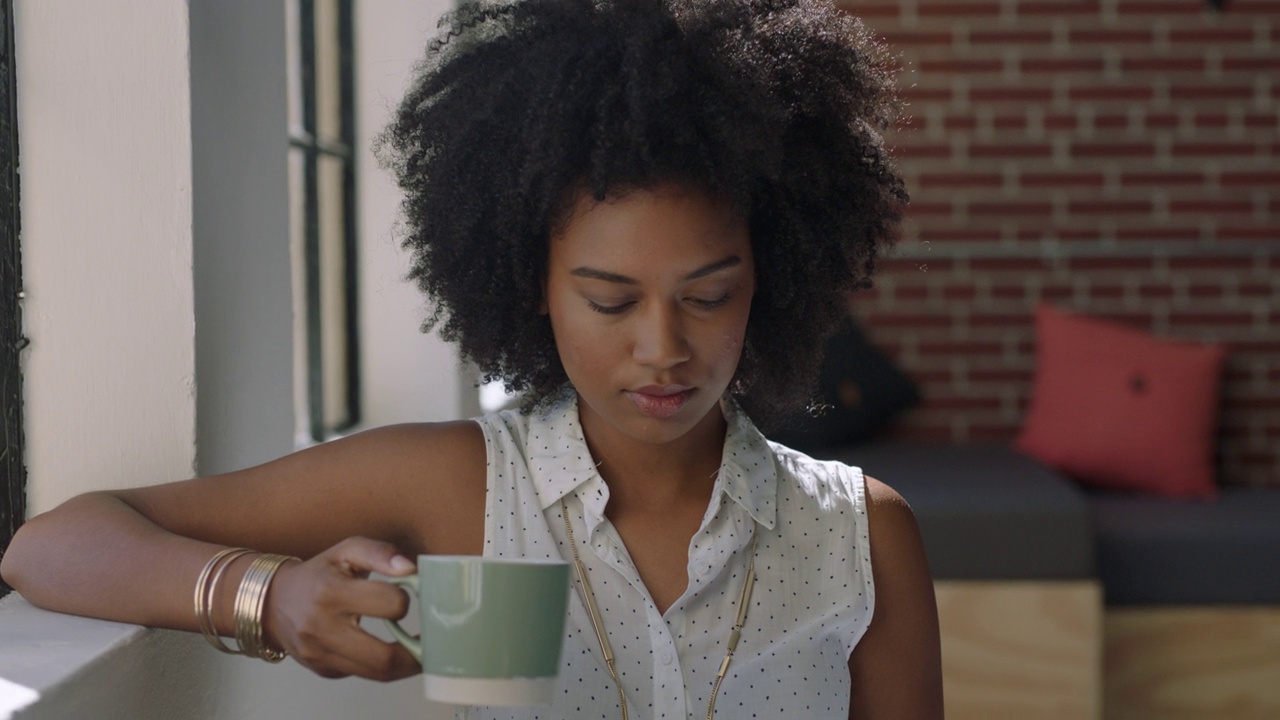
x=660, y=338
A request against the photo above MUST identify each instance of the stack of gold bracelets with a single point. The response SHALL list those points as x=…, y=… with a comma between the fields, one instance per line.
x=250, y=601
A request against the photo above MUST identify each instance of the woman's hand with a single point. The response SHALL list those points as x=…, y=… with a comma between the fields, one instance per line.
x=314, y=608
x=421, y=489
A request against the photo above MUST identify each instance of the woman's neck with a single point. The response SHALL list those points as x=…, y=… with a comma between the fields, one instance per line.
x=652, y=477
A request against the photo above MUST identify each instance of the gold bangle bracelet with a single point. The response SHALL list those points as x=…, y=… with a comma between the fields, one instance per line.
x=243, y=617
x=206, y=589
x=250, y=603
x=249, y=585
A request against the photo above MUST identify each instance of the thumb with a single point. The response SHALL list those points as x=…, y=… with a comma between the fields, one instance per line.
x=399, y=565
x=362, y=556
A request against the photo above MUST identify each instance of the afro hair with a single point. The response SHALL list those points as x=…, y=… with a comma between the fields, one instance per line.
x=776, y=106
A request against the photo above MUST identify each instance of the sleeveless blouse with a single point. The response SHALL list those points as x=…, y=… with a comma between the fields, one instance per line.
x=812, y=600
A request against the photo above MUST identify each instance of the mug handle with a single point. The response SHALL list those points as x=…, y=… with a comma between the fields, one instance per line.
x=410, y=584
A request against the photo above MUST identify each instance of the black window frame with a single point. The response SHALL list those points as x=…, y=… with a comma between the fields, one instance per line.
x=307, y=140
x=12, y=341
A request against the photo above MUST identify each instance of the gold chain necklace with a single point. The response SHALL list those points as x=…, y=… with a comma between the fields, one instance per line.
x=589, y=598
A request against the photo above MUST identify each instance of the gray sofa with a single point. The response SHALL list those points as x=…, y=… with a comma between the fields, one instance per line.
x=987, y=512
x=1057, y=602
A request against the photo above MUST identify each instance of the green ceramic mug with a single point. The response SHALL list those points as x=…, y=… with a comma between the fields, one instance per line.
x=492, y=628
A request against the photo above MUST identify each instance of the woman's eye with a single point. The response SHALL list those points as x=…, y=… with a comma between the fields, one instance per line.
x=709, y=304
x=621, y=307
x=609, y=309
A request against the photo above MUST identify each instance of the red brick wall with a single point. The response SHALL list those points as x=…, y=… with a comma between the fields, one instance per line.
x=1116, y=157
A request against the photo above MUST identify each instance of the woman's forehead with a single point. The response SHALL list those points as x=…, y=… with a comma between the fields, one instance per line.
x=648, y=233
x=670, y=219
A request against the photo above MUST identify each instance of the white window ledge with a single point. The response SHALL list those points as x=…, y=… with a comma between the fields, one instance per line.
x=41, y=651
x=55, y=666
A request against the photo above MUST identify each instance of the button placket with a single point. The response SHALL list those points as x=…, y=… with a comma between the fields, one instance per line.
x=607, y=546
x=666, y=669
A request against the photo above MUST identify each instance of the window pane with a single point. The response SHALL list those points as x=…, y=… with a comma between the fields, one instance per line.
x=333, y=292
x=298, y=257
x=328, y=72
x=293, y=66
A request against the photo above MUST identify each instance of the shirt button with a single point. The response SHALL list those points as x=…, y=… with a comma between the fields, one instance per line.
x=704, y=569
x=666, y=657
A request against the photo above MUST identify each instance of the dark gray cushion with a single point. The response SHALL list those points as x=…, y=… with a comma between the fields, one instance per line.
x=1156, y=551
x=985, y=511
x=860, y=390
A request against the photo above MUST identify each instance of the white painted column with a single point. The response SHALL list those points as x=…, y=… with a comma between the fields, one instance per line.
x=104, y=100
x=105, y=150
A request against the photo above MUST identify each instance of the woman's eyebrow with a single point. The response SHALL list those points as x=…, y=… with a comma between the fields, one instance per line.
x=714, y=267
x=595, y=274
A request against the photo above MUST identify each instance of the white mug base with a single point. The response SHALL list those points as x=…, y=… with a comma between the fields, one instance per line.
x=503, y=692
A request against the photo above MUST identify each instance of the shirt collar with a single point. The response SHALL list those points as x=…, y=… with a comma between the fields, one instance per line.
x=561, y=463
x=748, y=470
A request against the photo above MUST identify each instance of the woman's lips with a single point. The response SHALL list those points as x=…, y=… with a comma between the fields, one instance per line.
x=660, y=401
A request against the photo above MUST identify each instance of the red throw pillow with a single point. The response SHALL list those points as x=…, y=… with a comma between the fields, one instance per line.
x=1119, y=409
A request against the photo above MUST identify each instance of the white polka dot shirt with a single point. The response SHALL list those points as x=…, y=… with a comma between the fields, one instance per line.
x=811, y=603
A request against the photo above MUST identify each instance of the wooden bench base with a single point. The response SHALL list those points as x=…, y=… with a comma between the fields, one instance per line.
x=1021, y=649
x=1192, y=663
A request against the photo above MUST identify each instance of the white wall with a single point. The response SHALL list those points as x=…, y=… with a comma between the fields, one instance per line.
x=408, y=376
x=105, y=130
x=106, y=127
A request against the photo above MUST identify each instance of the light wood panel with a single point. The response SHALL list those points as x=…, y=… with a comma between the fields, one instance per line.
x=1021, y=650
x=1221, y=663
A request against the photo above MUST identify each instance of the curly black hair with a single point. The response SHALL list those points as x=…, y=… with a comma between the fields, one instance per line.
x=775, y=106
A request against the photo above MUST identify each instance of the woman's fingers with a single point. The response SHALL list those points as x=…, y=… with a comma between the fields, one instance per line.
x=352, y=651
x=355, y=650
x=373, y=658
x=359, y=556
x=314, y=608
x=375, y=598
x=349, y=592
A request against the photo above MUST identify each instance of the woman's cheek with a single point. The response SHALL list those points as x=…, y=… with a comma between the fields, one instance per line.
x=731, y=347
x=582, y=351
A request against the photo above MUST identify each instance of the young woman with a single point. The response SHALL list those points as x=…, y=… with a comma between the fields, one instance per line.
x=645, y=216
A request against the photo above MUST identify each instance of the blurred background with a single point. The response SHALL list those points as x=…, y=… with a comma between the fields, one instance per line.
x=209, y=277
x=1119, y=158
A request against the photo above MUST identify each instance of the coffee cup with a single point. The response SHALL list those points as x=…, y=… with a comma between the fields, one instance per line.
x=492, y=628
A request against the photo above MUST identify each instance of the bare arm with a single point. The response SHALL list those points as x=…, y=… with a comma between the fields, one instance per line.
x=134, y=555
x=896, y=669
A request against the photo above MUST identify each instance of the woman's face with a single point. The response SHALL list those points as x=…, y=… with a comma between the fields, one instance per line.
x=649, y=295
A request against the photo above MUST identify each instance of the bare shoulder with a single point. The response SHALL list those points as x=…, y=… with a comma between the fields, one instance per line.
x=896, y=668
x=420, y=486
x=434, y=480
x=892, y=523
x=882, y=499
x=419, y=447
x=896, y=546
